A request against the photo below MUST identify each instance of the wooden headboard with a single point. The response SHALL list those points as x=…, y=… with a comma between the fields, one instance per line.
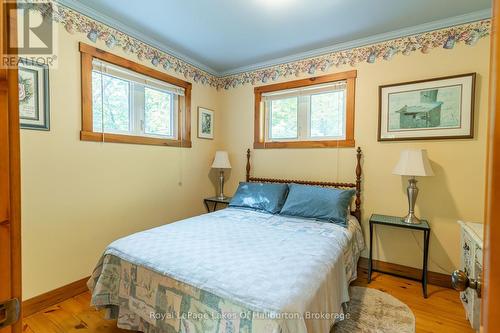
x=357, y=185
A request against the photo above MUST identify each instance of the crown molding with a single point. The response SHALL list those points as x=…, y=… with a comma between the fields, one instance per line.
x=115, y=24
x=426, y=27
x=422, y=28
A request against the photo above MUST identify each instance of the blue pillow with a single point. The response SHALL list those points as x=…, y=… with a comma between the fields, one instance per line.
x=260, y=196
x=320, y=203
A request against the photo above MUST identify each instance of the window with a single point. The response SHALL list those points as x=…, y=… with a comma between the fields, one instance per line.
x=283, y=116
x=315, y=112
x=310, y=113
x=131, y=103
x=158, y=113
x=114, y=99
x=124, y=102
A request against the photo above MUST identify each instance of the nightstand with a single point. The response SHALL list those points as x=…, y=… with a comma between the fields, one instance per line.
x=394, y=221
x=472, y=267
x=215, y=201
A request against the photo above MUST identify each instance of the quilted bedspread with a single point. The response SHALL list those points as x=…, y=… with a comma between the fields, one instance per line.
x=231, y=271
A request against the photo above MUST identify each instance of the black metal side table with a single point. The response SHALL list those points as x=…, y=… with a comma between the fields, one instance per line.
x=394, y=221
x=215, y=201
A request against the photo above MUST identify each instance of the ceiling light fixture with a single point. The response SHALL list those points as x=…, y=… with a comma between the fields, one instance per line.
x=274, y=3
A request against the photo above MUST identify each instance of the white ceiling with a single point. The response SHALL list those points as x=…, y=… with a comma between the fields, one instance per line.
x=227, y=36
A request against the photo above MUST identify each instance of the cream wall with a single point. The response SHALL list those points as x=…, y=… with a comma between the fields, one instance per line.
x=456, y=192
x=79, y=196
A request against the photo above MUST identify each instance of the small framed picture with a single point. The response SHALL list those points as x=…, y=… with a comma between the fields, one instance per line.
x=34, y=105
x=440, y=108
x=205, y=123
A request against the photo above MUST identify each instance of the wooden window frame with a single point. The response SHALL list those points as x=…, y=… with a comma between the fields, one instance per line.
x=259, y=116
x=88, y=53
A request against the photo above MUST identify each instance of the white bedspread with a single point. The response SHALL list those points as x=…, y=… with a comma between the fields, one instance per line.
x=268, y=263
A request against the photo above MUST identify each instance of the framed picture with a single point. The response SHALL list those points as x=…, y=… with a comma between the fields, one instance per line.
x=441, y=108
x=205, y=123
x=34, y=105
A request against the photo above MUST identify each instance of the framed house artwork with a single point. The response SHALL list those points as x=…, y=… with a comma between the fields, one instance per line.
x=34, y=105
x=205, y=123
x=440, y=108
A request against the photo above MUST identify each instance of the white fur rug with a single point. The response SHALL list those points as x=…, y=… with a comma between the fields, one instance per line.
x=373, y=311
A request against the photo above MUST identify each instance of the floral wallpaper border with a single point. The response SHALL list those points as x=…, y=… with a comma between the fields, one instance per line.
x=75, y=22
x=445, y=38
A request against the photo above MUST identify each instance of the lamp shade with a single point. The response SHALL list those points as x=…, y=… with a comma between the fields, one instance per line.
x=221, y=160
x=413, y=162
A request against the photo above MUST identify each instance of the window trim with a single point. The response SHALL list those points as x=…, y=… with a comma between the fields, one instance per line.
x=87, y=133
x=260, y=117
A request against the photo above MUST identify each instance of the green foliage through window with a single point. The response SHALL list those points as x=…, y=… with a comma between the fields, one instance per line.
x=127, y=107
x=284, y=118
x=116, y=103
x=307, y=115
x=327, y=113
x=158, y=112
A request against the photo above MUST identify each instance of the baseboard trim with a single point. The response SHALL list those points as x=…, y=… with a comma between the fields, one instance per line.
x=43, y=301
x=438, y=279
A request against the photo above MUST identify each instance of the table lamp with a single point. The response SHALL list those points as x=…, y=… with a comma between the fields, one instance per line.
x=413, y=163
x=221, y=162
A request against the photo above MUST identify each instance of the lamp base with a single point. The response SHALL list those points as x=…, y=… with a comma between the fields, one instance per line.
x=222, y=197
x=412, y=192
x=411, y=219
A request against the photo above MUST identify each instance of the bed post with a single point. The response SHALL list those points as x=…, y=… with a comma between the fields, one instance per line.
x=358, y=185
x=248, y=165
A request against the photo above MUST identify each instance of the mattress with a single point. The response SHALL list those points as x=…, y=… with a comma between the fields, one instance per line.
x=233, y=270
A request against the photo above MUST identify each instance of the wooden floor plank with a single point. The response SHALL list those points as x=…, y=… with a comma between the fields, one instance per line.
x=38, y=323
x=442, y=311
x=65, y=321
x=27, y=329
x=93, y=319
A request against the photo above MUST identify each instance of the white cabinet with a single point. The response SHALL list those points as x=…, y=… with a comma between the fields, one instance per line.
x=472, y=265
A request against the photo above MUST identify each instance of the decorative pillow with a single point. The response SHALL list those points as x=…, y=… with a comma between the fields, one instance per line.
x=320, y=203
x=260, y=196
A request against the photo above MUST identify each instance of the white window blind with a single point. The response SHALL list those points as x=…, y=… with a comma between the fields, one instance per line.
x=309, y=90
x=126, y=74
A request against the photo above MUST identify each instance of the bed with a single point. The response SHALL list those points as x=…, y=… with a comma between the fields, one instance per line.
x=233, y=271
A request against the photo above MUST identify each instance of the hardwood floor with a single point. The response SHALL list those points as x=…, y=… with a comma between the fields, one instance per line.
x=72, y=315
x=441, y=312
